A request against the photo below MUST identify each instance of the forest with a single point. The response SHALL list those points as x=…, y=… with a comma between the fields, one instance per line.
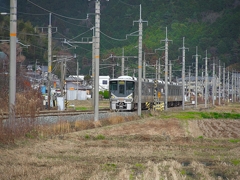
x=211, y=25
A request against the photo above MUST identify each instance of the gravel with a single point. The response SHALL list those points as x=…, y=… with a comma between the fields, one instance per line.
x=81, y=117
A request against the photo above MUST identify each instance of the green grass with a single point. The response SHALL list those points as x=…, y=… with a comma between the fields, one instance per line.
x=81, y=108
x=181, y=115
x=183, y=172
x=200, y=115
x=235, y=162
x=87, y=136
x=109, y=167
x=100, y=137
x=234, y=140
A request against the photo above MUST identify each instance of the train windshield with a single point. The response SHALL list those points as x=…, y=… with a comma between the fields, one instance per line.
x=113, y=85
x=121, y=88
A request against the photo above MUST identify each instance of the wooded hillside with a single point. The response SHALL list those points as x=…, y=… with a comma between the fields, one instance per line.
x=212, y=25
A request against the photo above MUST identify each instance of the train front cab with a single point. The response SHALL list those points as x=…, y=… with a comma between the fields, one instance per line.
x=121, y=94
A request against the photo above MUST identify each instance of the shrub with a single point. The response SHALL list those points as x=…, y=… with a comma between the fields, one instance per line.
x=106, y=94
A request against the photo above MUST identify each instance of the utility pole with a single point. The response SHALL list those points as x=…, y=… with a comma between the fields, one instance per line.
x=170, y=71
x=224, y=83
x=196, y=76
x=228, y=86
x=62, y=77
x=232, y=87
x=183, y=73
x=77, y=79
x=206, y=80
x=214, y=85
x=49, y=57
x=13, y=54
x=166, y=72
x=93, y=70
x=166, y=40
x=140, y=21
x=97, y=57
x=140, y=34
x=219, y=85
x=202, y=83
x=189, y=76
x=122, y=72
x=235, y=89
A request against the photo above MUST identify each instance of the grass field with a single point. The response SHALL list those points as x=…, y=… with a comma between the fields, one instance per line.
x=194, y=144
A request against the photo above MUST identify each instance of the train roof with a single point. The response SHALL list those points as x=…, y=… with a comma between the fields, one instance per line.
x=130, y=78
x=125, y=78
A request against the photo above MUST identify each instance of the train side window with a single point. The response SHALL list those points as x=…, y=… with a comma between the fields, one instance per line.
x=121, y=89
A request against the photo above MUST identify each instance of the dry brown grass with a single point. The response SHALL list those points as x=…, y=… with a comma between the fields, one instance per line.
x=130, y=150
x=28, y=104
x=125, y=148
x=63, y=127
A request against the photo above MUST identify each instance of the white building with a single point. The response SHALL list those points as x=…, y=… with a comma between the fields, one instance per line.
x=104, y=83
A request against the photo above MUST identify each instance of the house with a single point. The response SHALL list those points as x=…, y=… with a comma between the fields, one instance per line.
x=104, y=83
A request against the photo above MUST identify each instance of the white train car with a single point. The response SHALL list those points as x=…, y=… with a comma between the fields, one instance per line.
x=124, y=93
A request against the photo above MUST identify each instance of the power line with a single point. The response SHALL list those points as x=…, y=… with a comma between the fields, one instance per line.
x=55, y=13
x=113, y=38
x=128, y=4
x=81, y=34
x=19, y=12
x=69, y=22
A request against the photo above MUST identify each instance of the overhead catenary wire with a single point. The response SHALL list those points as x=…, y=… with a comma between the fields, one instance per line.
x=132, y=5
x=113, y=38
x=55, y=13
x=69, y=22
x=32, y=14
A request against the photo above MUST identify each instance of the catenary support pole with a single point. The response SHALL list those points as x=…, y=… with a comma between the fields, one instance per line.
x=140, y=34
x=49, y=59
x=196, y=77
x=170, y=71
x=183, y=73
x=232, y=87
x=93, y=67
x=12, y=65
x=166, y=73
x=122, y=71
x=213, y=85
x=140, y=64
x=206, y=81
x=97, y=54
x=219, y=85
x=224, y=85
x=228, y=86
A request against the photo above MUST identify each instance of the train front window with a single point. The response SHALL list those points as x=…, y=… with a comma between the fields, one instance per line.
x=121, y=89
x=129, y=85
x=113, y=85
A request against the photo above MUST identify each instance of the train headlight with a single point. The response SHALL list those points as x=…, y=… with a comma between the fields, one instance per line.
x=112, y=96
x=130, y=98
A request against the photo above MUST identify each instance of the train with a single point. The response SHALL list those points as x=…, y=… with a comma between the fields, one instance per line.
x=123, y=93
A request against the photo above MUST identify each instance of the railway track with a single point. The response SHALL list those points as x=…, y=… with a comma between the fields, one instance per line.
x=69, y=113
x=47, y=113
